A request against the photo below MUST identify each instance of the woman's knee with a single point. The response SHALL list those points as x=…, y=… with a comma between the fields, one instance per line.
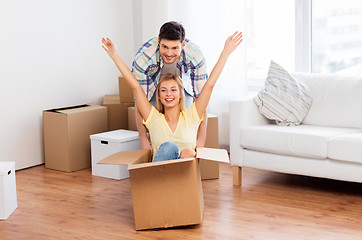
x=167, y=151
x=188, y=153
x=169, y=146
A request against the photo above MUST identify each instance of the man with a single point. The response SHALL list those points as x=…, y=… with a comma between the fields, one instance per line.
x=170, y=52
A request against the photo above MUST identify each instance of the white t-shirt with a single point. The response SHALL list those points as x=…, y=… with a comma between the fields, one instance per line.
x=169, y=68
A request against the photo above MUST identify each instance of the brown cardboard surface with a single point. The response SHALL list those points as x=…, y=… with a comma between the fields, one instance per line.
x=117, y=112
x=158, y=164
x=128, y=157
x=165, y=194
x=141, y=157
x=132, y=119
x=55, y=140
x=125, y=91
x=210, y=169
x=66, y=135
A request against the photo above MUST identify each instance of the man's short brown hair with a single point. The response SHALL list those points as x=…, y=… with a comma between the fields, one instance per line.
x=172, y=31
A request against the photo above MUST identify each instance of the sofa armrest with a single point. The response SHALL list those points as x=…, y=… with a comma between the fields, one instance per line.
x=243, y=112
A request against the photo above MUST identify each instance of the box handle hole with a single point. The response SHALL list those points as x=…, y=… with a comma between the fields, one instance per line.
x=104, y=142
x=9, y=172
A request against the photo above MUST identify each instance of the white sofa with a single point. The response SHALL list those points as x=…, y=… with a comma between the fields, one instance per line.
x=327, y=144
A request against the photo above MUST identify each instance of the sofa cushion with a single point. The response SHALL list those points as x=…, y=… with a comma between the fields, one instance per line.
x=284, y=98
x=301, y=141
x=346, y=147
x=337, y=99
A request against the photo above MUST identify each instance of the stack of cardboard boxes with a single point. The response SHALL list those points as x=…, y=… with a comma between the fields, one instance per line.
x=67, y=146
x=118, y=105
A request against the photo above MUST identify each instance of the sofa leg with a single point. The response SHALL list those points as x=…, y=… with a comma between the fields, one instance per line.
x=236, y=175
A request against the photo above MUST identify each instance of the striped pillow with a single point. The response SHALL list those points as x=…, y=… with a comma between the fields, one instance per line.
x=284, y=98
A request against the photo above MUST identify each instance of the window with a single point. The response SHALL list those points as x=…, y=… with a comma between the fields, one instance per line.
x=269, y=36
x=336, y=36
x=319, y=36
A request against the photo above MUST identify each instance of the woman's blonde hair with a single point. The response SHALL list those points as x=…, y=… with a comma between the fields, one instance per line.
x=178, y=80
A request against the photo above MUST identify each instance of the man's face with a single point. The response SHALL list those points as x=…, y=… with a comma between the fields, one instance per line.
x=170, y=50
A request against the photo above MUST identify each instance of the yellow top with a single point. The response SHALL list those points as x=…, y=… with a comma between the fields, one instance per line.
x=185, y=134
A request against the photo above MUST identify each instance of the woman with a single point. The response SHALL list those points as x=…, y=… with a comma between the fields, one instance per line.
x=172, y=129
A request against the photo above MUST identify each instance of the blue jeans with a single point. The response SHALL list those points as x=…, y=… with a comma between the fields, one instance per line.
x=167, y=151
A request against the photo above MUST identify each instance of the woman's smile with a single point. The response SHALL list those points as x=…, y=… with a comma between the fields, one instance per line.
x=169, y=99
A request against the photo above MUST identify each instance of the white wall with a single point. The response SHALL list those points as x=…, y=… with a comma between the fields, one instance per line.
x=51, y=56
x=148, y=17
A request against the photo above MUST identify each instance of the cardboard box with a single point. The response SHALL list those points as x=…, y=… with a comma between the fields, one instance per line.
x=66, y=135
x=117, y=112
x=125, y=91
x=132, y=119
x=8, y=200
x=209, y=169
x=108, y=143
x=168, y=193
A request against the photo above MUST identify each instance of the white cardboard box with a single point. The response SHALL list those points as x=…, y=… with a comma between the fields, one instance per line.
x=108, y=143
x=8, y=200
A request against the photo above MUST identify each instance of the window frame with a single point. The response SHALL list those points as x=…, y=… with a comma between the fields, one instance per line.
x=303, y=35
x=303, y=39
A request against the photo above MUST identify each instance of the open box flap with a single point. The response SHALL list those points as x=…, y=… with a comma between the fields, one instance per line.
x=128, y=157
x=160, y=163
x=212, y=154
x=140, y=158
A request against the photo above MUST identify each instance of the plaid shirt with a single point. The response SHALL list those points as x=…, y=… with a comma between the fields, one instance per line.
x=191, y=68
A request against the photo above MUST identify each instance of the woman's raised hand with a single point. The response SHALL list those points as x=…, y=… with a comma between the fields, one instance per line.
x=232, y=42
x=109, y=47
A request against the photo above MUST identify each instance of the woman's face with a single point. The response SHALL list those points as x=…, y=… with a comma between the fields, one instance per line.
x=169, y=94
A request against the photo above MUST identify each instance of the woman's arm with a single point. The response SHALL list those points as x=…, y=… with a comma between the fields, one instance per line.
x=142, y=102
x=230, y=45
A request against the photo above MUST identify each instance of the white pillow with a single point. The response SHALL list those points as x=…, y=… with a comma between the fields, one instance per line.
x=284, y=98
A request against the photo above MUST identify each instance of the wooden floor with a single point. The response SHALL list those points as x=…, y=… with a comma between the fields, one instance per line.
x=57, y=205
